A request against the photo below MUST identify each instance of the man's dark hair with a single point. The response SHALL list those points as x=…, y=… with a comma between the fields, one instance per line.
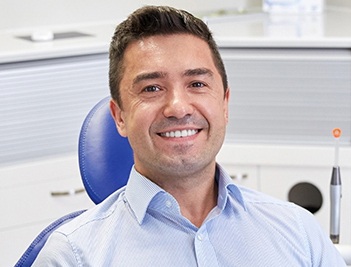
x=156, y=20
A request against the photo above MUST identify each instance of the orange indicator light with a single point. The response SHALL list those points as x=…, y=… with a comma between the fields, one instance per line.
x=336, y=132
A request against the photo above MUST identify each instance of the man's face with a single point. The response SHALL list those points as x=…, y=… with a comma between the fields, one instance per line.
x=174, y=110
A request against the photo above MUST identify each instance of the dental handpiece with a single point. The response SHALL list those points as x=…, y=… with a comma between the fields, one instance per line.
x=335, y=193
x=335, y=203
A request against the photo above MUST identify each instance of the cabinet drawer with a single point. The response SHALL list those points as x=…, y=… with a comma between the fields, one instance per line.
x=243, y=175
x=33, y=203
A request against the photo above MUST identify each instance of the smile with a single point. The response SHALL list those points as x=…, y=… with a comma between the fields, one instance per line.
x=178, y=134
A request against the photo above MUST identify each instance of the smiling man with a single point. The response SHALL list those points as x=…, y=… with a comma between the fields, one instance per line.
x=174, y=112
x=180, y=208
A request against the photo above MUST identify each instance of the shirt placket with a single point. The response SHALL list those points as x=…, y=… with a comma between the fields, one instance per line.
x=205, y=254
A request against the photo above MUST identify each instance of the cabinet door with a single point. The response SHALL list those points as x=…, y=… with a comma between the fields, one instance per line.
x=281, y=182
x=28, y=203
x=31, y=208
x=34, y=203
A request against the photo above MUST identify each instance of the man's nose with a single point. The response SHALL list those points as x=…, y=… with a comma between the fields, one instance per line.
x=179, y=104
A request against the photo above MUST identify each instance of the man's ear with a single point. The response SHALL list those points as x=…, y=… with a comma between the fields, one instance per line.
x=117, y=114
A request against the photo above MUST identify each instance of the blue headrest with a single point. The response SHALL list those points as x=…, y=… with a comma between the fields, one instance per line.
x=105, y=157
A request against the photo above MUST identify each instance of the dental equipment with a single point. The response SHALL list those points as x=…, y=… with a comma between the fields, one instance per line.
x=335, y=193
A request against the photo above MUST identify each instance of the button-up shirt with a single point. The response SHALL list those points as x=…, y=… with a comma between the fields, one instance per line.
x=142, y=225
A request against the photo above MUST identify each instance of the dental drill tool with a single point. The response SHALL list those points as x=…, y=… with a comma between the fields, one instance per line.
x=335, y=192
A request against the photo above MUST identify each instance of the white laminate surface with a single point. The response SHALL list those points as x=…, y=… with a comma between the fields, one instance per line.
x=330, y=29
x=252, y=29
x=14, y=49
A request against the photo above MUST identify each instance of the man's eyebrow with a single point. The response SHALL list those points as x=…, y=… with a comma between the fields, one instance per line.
x=148, y=76
x=198, y=71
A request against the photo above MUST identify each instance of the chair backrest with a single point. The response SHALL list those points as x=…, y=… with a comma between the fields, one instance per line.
x=105, y=157
x=105, y=160
x=34, y=248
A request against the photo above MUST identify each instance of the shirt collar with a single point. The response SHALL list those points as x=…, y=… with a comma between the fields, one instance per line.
x=226, y=186
x=140, y=191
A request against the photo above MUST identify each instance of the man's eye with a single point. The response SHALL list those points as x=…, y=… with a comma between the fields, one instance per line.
x=152, y=88
x=197, y=84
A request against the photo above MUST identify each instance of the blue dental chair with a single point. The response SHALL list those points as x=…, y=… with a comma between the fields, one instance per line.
x=105, y=160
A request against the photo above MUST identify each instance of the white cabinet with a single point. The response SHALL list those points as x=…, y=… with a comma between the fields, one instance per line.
x=287, y=94
x=280, y=171
x=27, y=205
x=279, y=181
x=42, y=106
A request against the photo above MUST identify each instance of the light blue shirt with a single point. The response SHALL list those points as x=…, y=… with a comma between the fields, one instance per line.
x=141, y=225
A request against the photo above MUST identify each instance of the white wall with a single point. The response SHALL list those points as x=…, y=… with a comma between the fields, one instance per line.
x=341, y=3
x=35, y=13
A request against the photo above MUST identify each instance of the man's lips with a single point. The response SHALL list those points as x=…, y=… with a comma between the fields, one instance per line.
x=179, y=133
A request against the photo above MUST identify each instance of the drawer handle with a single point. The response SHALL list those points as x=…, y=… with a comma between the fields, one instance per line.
x=67, y=193
x=239, y=177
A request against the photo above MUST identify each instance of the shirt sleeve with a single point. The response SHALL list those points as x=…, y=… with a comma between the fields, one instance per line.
x=322, y=250
x=57, y=251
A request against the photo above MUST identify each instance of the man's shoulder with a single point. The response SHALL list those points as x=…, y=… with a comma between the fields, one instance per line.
x=276, y=212
x=252, y=196
x=259, y=202
x=95, y=216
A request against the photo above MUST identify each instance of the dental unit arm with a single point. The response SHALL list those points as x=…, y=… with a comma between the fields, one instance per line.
x=335, y=193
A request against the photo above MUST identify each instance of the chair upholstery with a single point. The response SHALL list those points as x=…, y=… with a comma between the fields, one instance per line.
x=105, y=160
x=105, y=157
x=34, y=248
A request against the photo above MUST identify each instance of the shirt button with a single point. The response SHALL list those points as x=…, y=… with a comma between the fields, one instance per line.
x=199, y=237
x=168, y=204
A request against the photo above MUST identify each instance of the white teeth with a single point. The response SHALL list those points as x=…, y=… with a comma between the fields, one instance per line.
x=177, y=134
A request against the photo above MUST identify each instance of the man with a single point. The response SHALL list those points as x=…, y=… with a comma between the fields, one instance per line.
x=170, y=98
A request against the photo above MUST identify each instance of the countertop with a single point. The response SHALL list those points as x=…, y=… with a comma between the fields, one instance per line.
x=253, y=29
x=330, y=29
x=97, y=38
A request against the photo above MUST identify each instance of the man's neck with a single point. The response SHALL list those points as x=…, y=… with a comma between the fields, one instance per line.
x=196, y=196
x=196, y=205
